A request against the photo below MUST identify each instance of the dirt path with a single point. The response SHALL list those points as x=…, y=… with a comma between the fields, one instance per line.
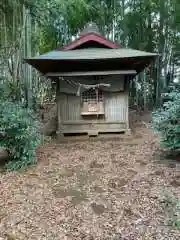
x=91, y=190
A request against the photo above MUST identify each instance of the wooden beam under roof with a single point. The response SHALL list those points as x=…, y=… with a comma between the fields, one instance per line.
x=90, y=73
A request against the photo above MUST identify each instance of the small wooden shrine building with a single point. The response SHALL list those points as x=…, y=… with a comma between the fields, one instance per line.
x=92, y=75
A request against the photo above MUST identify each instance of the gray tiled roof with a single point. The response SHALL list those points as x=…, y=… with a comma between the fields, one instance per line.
x=94, y=53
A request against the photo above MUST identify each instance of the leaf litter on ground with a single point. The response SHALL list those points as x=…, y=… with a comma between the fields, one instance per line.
x=93, y=189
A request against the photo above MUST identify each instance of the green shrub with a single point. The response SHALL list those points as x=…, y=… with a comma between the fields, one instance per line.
x=19, y=133
x=172, y=208
x=166, y=121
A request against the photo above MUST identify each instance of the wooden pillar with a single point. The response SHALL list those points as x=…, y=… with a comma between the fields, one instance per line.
x=59, y=132
x=127, y=85
x=128, y=130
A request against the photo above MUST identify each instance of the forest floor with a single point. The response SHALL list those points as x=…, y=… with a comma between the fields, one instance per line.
x=98, y=189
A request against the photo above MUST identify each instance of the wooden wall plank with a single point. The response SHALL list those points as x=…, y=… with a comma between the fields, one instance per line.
x=116, y=105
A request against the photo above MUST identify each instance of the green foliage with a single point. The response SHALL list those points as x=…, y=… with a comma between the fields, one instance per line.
x=19, y=134
x=166, y=120
x=172, y=208
x=12, y=91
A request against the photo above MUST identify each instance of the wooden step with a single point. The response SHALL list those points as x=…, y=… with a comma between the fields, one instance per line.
x=92, y=133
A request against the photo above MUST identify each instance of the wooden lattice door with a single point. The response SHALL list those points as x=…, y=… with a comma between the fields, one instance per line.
x=92, y=102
